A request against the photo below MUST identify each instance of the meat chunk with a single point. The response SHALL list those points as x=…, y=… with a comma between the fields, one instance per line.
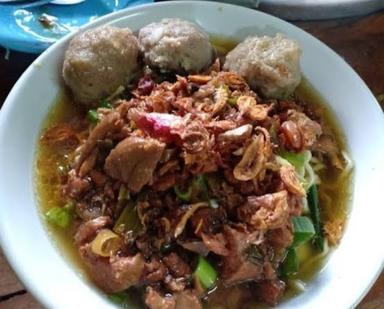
x=88, y=230
x=154, y=271
x=270, y=65
x=113, y=274
x=269, y=211
x=175, y=284
x=155, y=301
x=183, y=300
x=109, y=124
x=98, y=61
x=281, y=237
x=215, y=243
x=236, y=267
x=76, y=186
x=269, y=291
x=175, y=45
x=88, y=164
x=134, y=160
x=187, y=299
x=176, y=265
x=207, y=220
x=234, y=297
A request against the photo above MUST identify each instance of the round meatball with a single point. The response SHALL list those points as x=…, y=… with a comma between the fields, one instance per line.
x=98, y=61
x=175, y=45
x=270, y=65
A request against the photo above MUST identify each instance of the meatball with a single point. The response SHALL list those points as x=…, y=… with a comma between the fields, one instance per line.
x=98, y=61
x=175, y=45
x=271, y=65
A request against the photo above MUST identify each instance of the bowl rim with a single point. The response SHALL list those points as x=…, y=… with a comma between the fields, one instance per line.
x=9, y=250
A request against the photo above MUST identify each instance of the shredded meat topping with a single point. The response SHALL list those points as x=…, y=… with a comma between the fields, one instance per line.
x=186, y=169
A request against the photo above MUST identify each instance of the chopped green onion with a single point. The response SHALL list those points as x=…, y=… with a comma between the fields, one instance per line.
x=313, y=204
x=60, y=216
x=106, y=243
x=105, y=104
x=128, y=221
x=200, y=182
x=232, y=101
x=123, y=194
x=118, y=298
x=303, y=230
x=197, y=190
x=290, y=264
x=296, y=159
x=202, y=185
x=92, y=116
x=184, y=196
x=213, y=203
x=205, y=272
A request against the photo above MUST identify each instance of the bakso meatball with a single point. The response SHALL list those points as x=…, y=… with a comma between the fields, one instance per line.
x=98, y=61
x=175, y=45
x=271, y=65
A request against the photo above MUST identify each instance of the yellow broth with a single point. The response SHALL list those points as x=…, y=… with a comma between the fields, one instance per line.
x=48, y=168
x=334, y=192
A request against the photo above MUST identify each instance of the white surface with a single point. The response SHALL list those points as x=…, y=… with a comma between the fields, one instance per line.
x=351, y=269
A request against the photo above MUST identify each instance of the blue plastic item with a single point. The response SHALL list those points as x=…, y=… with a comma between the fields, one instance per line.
x=20, y=28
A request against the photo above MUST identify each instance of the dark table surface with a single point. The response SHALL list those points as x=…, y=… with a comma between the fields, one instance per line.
x=360, y=41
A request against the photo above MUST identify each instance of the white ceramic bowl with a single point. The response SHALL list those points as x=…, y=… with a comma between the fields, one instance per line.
x=353, y=266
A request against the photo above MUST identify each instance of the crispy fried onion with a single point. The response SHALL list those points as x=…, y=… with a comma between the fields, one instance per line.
x=141, y=211
x=255, y=156
x=199, y=79
x=299, y=131
x=239, y=134
x=183, y=221
x=193, y=135
x=201, y=162
x=62, y=137
x=232, y=80
x=220, y=100
x=333, y=230
x=289, y=177
x=248, y=106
